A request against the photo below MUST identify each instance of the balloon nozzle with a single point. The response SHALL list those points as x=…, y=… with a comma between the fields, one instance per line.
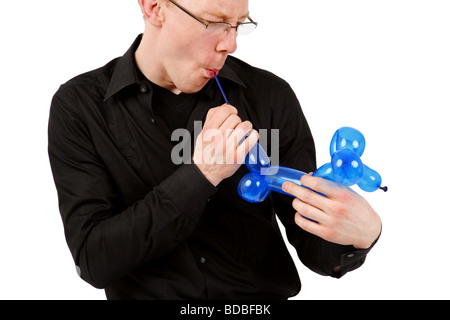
x=385, y=189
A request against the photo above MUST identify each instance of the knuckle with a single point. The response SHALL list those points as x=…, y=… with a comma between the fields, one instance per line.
x=223, y=112
x=297, y=204
x=212, y=110
x=235, y=118
x=248, y=125
x=227, y=109
x=313, y=183
x=330, y=234
x=337, y=208
x=231, y=108
x=224, y=109
x=340, y=210
x=215, y=110
x=299, y=220
x=306, y=195
x=346, y=195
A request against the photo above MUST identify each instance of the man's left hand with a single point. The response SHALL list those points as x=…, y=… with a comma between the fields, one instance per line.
x=342, y=217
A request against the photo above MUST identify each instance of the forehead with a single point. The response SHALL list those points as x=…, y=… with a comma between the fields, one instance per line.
x=223, y=9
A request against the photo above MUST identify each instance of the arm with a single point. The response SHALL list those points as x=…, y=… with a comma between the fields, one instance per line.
x=343, y=219
x=106, y=239
x=330, y=252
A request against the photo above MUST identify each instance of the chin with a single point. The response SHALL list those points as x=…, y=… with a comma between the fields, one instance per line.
x=193, y=87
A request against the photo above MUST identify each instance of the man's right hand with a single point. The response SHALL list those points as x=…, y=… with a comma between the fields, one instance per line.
x=217, y=151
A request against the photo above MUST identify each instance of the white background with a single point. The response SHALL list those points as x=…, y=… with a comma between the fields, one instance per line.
x=380, y=66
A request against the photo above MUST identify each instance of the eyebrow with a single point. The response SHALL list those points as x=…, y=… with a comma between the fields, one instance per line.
x=224, y=16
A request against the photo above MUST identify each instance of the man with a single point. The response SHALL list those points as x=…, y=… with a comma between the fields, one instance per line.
x=143, y=227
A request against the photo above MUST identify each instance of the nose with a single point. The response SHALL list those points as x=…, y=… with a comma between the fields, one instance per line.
x=228, y=43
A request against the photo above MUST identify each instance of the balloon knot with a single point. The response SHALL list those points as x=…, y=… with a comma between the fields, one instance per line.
x=385, y=189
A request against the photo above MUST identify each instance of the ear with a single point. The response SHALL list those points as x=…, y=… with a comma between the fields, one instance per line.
x=151, y=9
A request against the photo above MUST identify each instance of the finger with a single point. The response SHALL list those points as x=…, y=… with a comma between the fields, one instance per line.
x=306, y=195
x=310, y=212
x=228, y=126
x=229, y=107
x=329, y=188
x=239, y=133
x=315, y=228
x=216, y=116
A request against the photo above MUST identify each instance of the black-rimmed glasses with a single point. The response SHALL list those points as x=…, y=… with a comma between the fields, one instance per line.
x=243, y=28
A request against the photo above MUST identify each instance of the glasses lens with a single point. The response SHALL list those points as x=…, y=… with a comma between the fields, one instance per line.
x=221, y=27
x=218, y=27
x=246, y=28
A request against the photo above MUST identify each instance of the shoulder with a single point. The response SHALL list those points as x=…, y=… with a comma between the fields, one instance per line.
x=77, y=94
x=252, y=75
x=92, y=83
x=263, y=88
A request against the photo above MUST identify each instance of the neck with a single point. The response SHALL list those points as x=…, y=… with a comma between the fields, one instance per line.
x=151, y=67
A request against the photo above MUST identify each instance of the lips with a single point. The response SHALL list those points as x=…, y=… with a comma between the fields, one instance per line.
x=210, y=72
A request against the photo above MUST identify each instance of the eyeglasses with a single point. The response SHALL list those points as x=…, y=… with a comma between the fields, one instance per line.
x=243, y=28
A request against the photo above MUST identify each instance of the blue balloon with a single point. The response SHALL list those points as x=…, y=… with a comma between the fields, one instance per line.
x=253, y=188
x=280, y=175
x=257, y=158
x=347, y=167
x=370, y=181
x=347, y=138
x=325, y=171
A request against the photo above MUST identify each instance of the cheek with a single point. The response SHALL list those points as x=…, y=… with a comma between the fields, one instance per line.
x=188, y=42
x=181, y=50
x=188, y=56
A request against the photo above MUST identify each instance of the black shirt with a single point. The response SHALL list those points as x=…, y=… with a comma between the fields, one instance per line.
x=172, y=110
x=143, y=227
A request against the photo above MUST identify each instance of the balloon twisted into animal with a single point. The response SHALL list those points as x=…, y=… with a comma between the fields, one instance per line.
x=346, y=167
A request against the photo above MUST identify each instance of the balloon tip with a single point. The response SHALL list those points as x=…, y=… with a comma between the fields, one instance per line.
x=385, y=189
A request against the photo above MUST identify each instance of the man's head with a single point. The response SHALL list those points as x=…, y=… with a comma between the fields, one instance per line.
x=180, y=50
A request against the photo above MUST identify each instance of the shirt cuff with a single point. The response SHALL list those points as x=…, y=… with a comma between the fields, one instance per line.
x=353, y=259
x=188, y=190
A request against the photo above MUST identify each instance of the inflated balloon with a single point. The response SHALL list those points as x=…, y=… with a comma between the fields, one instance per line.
x=346, y=148
x=371, y=180
x=255, y=187
x=257, y=158
x=325, y=171
x=348, y=138
x=346, y=167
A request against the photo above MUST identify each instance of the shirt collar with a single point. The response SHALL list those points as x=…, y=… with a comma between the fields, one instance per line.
x=125, y=72
x=228, y=73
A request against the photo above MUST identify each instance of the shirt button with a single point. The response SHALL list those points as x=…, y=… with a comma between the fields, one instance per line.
x=153, y=120
x=143, y=89
x=203, y=260
x=351, y=255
